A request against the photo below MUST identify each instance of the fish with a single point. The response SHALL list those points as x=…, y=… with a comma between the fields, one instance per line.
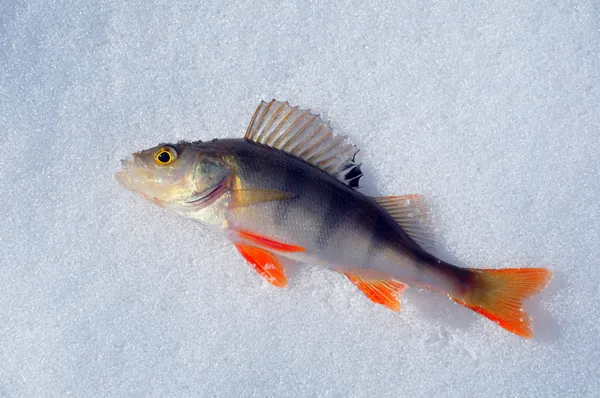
x=289, y=191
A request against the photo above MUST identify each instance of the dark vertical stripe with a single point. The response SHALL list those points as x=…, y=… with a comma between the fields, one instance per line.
x=375, y=237
x=387, y=232
x=331, y=222
x=292, y=182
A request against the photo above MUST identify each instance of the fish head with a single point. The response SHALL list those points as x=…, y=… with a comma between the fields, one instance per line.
x=175, y=175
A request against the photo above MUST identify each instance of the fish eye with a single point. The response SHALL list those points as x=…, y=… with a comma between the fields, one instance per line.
x=165, y=155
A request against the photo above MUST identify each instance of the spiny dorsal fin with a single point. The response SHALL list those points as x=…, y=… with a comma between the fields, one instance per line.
x=413, y=216
x=306, y=136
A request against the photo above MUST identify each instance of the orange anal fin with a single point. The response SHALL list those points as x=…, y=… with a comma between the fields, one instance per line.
x=381, y=291
x=498, y=294
x=265, y=263
x=269, y=243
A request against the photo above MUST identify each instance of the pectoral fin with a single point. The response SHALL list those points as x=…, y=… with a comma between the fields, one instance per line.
x=382, y=291
x=265, y=263
x=253, y=196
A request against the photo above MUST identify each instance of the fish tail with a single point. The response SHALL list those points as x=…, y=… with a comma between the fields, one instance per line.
x=498, y=294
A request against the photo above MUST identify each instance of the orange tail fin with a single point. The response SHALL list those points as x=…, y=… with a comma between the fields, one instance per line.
x=498, y=294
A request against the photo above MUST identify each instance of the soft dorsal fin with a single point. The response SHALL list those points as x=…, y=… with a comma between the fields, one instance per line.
x=306, y=136
x=413, y=216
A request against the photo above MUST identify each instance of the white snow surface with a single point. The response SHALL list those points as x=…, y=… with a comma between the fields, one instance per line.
x=490, y=109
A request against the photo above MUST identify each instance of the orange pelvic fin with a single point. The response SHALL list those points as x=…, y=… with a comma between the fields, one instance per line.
x=381, y=291
x=270, y=243
x=498, y=294
x=265, y=263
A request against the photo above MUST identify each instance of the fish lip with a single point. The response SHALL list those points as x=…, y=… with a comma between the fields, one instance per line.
x=124, y=174
x=201, y=202
x=122, y=178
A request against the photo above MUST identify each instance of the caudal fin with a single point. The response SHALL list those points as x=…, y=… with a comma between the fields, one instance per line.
x=498, y=294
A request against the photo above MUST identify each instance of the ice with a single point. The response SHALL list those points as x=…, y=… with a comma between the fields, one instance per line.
x=490, y=110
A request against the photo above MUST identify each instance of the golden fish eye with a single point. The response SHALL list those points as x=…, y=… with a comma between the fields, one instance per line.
x=165, y=155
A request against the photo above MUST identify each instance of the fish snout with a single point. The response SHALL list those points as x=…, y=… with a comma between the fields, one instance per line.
x=124, y=175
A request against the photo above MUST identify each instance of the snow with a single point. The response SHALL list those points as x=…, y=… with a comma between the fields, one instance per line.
x=491, y=110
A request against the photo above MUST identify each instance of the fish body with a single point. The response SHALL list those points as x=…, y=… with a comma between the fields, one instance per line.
x=288, y=189
x=338, y=227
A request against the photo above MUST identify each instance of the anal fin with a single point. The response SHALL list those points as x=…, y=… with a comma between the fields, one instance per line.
x=382, y=291
x=265, y=263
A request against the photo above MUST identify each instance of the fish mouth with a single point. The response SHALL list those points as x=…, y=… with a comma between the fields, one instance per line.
x=123, y=176
x=133, y=173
